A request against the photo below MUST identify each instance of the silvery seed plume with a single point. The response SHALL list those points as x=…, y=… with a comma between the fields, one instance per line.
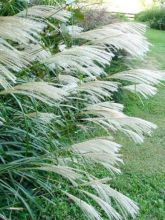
x=82, y=59
x=67, y=172
x=68, y=79
x=104, y=191
x=35, y=52
x=112, y=120
x=42, y=117
x=136, y=28
x=94, y=90
x=21, y=30
x=98, y=90
x=130, y=39
x=110, y=212
x=142, y=89
x=141, y=76
x=11, y=58
x=42, y=91
x=100, y=150
x=87, y=209
x=46, y=11
x=6, y=77
x=73, y=29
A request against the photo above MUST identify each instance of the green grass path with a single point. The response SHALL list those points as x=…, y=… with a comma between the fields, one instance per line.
x=143, y=177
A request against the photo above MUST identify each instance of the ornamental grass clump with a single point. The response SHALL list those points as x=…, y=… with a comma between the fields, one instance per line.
x=51, y=94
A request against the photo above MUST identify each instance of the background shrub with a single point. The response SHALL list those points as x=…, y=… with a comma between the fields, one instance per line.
x=155, y=17
x=93, y=18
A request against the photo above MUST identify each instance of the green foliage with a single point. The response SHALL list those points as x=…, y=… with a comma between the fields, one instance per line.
x=120, y=16
x=155, y=17
x=12, y=7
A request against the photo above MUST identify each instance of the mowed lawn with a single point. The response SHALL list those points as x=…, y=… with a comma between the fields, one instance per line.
x=143, y=175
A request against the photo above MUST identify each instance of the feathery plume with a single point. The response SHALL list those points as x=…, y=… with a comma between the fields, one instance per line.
x=46, y=11
x=119, y=36
x=42, y=91
x=75, y=59
x=112, y=120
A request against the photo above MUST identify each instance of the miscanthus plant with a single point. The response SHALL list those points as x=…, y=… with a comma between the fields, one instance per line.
x=54, y=87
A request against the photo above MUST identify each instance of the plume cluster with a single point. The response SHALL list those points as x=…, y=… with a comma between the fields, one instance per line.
x=46, y=11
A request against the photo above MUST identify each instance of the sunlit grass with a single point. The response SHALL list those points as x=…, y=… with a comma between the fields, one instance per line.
x=157, y=38
x=144, y=170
